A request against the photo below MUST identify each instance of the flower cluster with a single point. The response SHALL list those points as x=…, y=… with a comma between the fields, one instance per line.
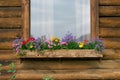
x=68, y=42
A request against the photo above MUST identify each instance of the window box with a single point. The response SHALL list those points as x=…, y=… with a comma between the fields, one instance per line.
x=63, y=54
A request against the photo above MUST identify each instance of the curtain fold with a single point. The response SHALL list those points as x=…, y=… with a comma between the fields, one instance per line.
x=57, y=17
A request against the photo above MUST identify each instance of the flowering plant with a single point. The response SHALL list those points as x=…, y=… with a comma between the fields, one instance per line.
x=67, y=42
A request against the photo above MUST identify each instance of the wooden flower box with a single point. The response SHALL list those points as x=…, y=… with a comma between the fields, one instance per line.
x=62, y=54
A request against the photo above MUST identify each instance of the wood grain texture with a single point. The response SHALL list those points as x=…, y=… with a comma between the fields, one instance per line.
x=94, y=18
x=10, y=3
x=10, y=34
x=111, y=43
x=10, y=23
x=63, y=54
x=111, y=54
x=10, y=12
x=6, y=45
x=109, y=32
x=110, y=22
x=26, y=19
x=109, y=10
x=70, y=74
x=109, y=2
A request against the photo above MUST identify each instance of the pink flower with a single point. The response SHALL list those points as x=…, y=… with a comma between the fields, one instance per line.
x=47, y=41
x=64, y=43
x=49, y=46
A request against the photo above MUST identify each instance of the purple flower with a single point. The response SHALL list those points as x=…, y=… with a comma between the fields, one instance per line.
x=17, y=44
x=99, y=46
x=69, y=38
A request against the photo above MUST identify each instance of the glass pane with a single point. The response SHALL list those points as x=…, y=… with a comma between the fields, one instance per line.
x=57, y=17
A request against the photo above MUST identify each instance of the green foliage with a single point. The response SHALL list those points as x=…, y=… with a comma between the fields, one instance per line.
x=12, y=66
x=47, y=78
x=0, y=69
x=72, y=45
x=89, y=46
x=13, y=77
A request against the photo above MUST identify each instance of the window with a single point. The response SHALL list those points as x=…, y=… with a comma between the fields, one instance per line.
x=56, y=17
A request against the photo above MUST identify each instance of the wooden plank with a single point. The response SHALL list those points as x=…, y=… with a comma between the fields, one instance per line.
x=63, y=54
x=8, y=55
x=110, y=22
x=69, y=74
x=111, y=43
x=94, y=6
x=10, y=34
x=6, y=45
x=109, y=32
x=109, y=2
x=10, y=23
x=67, y=64
x=109, y=10
x=26, y=19
x=10, y=12
x=111, y=54
x=10, y=2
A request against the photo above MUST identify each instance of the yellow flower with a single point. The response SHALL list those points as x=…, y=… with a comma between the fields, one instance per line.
x=56, y=40
x=81, y=45
x=52, y=38
x=31, y=46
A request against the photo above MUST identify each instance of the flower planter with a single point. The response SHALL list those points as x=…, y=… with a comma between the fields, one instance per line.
x=63, y=54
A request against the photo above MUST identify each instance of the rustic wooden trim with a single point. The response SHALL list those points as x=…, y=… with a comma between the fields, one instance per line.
x=26, y=19
x=94, y=19
x=63, y=54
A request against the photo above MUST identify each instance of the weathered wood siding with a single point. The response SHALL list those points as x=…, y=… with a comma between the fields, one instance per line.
x=11, y=27
x=109, y=22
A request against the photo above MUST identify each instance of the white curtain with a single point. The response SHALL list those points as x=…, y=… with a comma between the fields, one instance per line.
x=57, y=17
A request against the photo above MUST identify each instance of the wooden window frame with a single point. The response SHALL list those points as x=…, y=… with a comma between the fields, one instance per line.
x=94, y=7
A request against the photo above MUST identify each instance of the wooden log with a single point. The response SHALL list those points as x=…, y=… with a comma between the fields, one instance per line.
x=5, y=77
x=67, y=65
x=111, y=54
x=111, y=43
x=109, y=2
x=69, y=74
x=109, y=11
x=10, y=12
x=109, y=32
x=6, y=45
x=10, y=34
x=110, y=22
x=8, y=55
x=10, y=23
x=10, y=2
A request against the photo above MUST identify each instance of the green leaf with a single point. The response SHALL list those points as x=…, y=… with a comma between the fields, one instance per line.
x=0, y=64
x=9, y=71
x=12, y=65
x=13, y=77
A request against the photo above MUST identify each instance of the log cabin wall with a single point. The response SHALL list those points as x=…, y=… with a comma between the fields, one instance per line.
x=108, y=67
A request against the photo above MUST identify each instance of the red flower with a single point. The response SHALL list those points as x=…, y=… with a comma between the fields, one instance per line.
x=86, y=42
x=24, y=42
x=30, y=39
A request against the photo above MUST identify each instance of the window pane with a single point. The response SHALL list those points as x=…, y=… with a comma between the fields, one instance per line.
x=57, y=17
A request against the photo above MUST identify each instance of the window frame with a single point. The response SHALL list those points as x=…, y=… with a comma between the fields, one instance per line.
x=94, y=8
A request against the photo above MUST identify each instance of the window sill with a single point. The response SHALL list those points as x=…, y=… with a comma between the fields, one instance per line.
x=63, y=54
